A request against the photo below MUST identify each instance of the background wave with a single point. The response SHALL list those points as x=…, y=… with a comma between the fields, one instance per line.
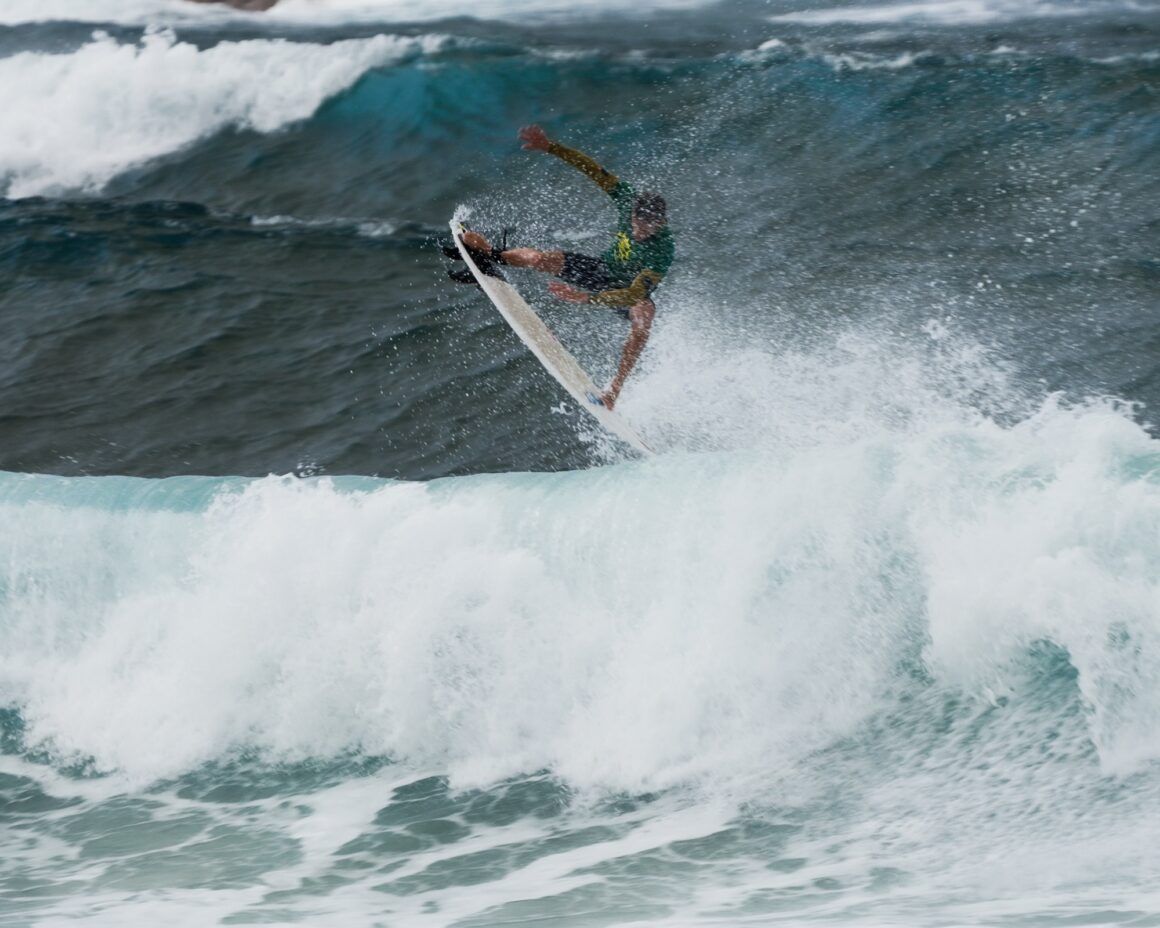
x=63, y=135
x=315, y=12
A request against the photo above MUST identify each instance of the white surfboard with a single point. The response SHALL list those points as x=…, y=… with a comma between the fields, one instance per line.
x=547, y=348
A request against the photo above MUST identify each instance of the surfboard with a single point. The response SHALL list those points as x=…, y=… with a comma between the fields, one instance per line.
x=555, y=358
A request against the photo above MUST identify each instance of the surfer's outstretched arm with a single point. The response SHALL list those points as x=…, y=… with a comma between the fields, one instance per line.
x=535, y=139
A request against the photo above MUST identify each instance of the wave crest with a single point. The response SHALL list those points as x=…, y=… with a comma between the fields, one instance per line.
x=86, y=116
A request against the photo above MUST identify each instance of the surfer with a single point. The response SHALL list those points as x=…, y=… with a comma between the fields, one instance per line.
x=623, y=278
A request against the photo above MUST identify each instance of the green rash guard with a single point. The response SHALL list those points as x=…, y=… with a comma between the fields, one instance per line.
x=638, y=267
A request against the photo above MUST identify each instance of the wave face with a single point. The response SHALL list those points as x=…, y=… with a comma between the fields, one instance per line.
x=873, y=641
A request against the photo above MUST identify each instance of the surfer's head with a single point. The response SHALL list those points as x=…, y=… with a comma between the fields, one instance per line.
x=649, y=215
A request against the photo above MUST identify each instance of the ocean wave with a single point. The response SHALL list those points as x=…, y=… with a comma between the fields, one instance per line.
x=861, y=55
x=60, y=135
x=315, y=12
x=938, y=12
x=63, y=132
x=745, y=606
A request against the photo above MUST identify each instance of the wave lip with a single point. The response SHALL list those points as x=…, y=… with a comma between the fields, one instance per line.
x=84, y=117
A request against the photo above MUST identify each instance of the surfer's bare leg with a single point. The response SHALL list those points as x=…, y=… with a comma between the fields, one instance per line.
x=641, y=315
x=550, y=262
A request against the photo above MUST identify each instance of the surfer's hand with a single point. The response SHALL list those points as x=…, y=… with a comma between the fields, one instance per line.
x=562, y=291
x=534, y=138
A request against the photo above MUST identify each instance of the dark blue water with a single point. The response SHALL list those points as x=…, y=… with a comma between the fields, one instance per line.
x=229, y=298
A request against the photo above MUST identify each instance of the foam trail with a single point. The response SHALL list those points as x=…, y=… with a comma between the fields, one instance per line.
x=83, y=117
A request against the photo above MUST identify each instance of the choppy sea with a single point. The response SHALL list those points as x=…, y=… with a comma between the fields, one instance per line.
x=321, y=604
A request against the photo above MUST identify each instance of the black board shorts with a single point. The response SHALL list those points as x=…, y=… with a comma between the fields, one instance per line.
x=588, y=273
x=591, y=274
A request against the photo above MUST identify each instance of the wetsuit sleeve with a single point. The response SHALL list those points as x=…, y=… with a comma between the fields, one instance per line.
x=606, y=180
x=641, y=287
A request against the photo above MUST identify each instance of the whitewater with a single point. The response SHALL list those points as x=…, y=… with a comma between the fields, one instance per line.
x=823, y=670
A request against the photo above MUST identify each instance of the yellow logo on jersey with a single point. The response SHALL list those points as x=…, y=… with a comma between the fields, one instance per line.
x=623, y=246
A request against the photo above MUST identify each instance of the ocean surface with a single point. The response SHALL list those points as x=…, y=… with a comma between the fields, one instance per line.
x=321, y=604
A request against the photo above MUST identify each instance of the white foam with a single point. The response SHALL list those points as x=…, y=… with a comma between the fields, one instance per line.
x=1146, y=57
x=83, y=117
x=374, y=649
x=323, y=12
x=369, y=228
x=1070, y=549
x=776, y=49
x=135, y=12
x=937, y=12
x=404, y=10
x=860, y=61
x=749, y=606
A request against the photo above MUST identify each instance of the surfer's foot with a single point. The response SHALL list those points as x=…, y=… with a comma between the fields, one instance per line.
x=486, y=252
x=480, y=247
x=487, y=260
x=476, y=242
